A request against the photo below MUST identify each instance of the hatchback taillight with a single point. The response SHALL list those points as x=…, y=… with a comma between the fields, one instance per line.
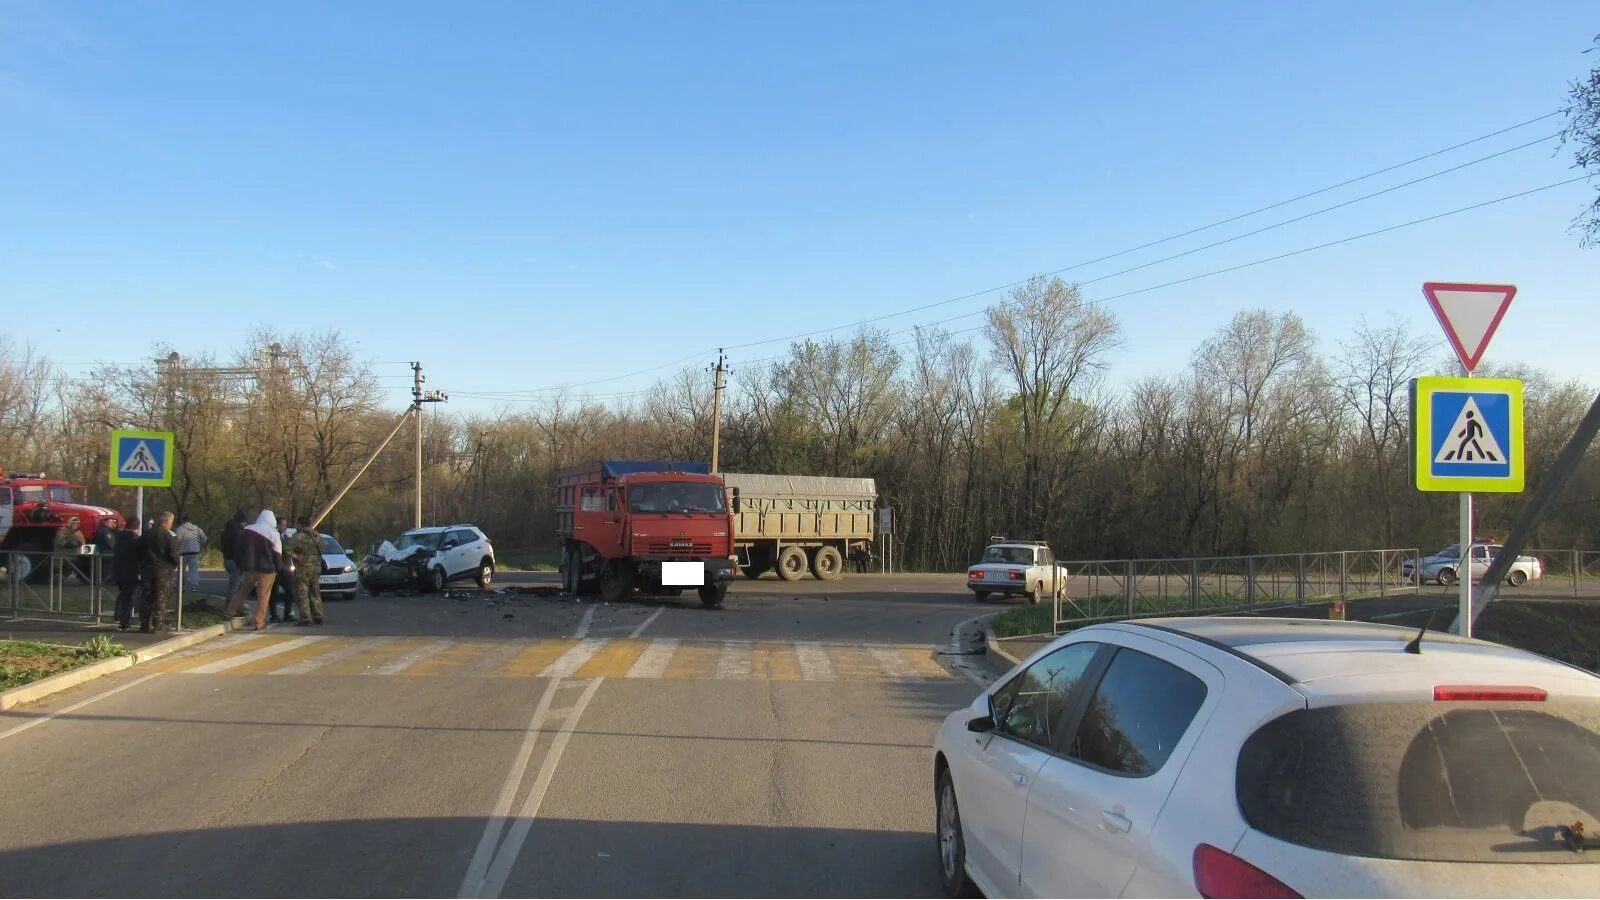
x=1498, y=692
x=1218, y=873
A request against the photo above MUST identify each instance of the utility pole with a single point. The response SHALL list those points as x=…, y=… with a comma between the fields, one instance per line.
x=721, y=369
x=419, y=397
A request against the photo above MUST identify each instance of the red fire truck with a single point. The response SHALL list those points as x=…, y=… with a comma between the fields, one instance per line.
x=33, y=508
x=658, y=526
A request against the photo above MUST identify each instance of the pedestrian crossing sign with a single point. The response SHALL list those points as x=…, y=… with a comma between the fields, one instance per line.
x=141, y=458
x=1466, y=434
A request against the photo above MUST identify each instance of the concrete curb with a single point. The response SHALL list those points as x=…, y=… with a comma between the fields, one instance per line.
x=57, y=683
x=997, y=646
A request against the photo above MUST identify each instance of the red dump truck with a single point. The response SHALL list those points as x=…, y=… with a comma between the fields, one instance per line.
x=656, y=526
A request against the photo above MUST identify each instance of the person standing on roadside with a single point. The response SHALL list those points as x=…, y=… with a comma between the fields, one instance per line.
x=105, y=546
x=125, y=569
x=159, y=561
x=306, y=549
x=285, y=594
x=259, y=555
x=191, y=540
x=229, y=545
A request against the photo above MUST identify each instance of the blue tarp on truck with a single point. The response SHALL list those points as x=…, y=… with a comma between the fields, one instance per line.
x=615, y=468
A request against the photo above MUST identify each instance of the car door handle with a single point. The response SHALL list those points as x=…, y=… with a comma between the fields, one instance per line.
x=1021, y=776
x=1116, y=823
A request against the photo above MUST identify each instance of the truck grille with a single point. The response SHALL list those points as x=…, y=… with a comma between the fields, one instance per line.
x=680, y=548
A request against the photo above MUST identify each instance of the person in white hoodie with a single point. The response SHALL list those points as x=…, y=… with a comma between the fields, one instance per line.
x=259, y=555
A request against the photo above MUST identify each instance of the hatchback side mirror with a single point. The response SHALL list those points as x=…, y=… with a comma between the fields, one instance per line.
x=981, y=724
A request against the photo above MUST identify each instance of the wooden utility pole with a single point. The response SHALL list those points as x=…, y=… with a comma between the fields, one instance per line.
x=720, y=369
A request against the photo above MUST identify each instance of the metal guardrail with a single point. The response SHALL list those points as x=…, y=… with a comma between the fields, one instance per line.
x=1108, y=590
x=68, y=587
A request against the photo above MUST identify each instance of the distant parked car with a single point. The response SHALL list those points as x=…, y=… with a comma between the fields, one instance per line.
x=1444, y=567
x=1017, y=568
x=339, y=576
x=1230, y=757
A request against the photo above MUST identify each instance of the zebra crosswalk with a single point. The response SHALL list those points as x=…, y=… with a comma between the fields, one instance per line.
x=646, y=658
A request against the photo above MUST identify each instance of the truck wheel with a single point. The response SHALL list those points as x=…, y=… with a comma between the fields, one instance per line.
x=792, y=565
x=757, y=569
x=616, y=581
x=1518, y=578
x=828, y=564
x=711, y=595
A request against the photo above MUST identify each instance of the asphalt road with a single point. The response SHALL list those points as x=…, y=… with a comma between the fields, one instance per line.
x=506, y=744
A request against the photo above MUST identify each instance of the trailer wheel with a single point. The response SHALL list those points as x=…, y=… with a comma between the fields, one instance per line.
x=792, y=564
x=828, y=564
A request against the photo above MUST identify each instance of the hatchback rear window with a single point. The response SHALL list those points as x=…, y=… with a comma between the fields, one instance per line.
x=1440, y=782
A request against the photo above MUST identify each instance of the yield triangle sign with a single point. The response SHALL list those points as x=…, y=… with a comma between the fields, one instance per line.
x=1469, y=315
x=1470, y=439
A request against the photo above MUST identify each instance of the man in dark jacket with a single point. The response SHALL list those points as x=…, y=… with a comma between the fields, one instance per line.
x=105, y=546
x=125, y=569
x=229, y=545
x=159, y=560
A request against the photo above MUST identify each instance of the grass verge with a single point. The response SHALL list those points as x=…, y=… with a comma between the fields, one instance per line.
x=1569, y=632
x=24, y=662
x=1020, y=620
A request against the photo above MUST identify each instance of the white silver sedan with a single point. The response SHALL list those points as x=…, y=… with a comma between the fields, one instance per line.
x=1223, y=757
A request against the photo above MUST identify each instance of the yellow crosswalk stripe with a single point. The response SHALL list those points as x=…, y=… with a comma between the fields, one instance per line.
x=925, y=661
x=694, y=661
x=613, y=660
x=233, y=647
x=372, y=658
x=456, y=656
x=538, y=657
x=775, y=661
x=854, y=663
x=290, y=657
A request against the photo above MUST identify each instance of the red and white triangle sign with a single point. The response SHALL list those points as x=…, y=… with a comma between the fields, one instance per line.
x=1469, y=315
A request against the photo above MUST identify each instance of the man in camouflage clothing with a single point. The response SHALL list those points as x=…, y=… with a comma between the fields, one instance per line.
x=305, y=545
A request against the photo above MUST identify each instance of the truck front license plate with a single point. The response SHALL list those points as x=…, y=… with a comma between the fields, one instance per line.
x=683, y=574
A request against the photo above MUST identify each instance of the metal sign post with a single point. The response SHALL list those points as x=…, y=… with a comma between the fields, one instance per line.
x=1467, y=437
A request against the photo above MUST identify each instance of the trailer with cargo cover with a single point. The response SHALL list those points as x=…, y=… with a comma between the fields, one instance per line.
x=796, y=524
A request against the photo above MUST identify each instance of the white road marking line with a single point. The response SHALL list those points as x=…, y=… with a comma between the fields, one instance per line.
x=891, y=663
x=74, y=707
x=735, y=661
x=653, y=662
x=500, y=869
x=478, y=868
x=583, y=626
x=814, y=662
x=223, y=665
x=396, y=666
x=315, y=663
x=573, y=659
x=646, y=623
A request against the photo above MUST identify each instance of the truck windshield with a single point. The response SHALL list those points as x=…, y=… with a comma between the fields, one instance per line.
x=57, y=493
x=675, y=498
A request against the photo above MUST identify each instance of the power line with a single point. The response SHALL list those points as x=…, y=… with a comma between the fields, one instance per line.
x=533, y=392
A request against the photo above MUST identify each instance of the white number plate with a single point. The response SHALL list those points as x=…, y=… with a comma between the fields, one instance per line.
x=683, y=574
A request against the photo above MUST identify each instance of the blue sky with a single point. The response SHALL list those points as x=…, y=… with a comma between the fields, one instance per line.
x=528, y=194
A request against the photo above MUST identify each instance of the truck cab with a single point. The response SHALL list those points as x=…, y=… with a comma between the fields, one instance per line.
x=33, y=508
x=659, y=527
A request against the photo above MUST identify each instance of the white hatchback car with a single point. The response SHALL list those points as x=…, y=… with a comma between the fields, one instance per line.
x=1223, y=757
x=339, y=577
